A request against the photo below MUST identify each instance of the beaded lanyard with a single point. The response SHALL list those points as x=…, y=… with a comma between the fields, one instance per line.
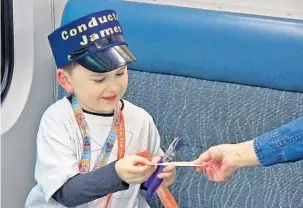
x=117, y=130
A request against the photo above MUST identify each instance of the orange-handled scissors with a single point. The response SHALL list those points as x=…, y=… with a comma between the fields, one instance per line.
x=154, y=184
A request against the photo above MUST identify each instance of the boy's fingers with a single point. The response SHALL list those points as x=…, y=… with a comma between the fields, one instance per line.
x=140, y=169
x=169, y=168
x=138, y=160
x=164, y=175
x=156, y=159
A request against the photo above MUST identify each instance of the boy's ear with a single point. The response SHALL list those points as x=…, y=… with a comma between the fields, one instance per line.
x=64, y=80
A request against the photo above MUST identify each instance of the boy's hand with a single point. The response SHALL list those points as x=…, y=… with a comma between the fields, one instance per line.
x=220, y=162
x=134, y=169
x=169, y=175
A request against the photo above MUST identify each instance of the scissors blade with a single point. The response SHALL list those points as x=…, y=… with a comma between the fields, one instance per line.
x=179, y=164
x=172, y=149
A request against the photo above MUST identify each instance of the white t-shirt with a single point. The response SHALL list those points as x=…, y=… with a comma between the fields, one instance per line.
x=59, y=150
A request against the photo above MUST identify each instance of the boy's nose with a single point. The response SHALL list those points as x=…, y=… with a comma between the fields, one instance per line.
x=113, y=88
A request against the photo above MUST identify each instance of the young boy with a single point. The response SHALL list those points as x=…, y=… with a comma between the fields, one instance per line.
x=87, y=142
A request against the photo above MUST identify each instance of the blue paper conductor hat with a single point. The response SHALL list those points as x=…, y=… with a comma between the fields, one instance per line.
x=94, y=40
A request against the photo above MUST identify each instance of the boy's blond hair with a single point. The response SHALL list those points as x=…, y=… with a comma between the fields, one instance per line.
x=70, y=67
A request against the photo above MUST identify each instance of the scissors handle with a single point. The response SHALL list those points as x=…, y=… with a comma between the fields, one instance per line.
x=153, y=181
x=154, y=184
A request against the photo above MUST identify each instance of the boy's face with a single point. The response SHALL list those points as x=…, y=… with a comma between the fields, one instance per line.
x=96, y=92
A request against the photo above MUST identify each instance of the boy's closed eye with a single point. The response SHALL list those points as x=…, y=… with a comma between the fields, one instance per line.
x=120, y=72
x=98, y=80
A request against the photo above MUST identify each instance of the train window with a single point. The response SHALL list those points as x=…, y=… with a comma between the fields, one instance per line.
x=7, y=46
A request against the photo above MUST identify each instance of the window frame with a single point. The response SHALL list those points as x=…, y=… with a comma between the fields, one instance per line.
x=7, y=46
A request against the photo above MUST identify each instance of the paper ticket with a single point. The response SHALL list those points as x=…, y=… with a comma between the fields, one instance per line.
x=179, y=164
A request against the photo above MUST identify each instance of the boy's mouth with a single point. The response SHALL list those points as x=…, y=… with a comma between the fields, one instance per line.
x=110, y=98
